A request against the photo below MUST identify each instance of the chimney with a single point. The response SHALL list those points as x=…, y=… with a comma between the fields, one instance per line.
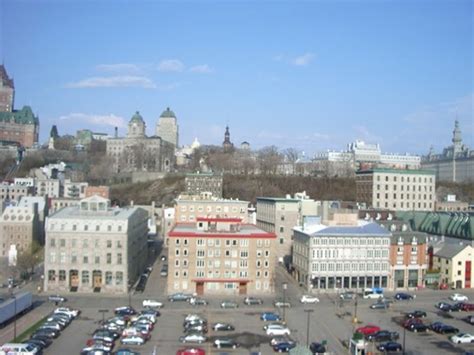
x=116, y=132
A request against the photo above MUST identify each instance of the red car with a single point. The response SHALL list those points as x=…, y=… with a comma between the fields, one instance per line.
x=191, y=351
x=409, y=322
x=467, y=307
x=368, y=329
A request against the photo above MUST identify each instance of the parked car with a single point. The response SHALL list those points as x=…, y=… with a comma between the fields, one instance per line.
x=229, y=304
x=225, y=343
x=269, y=316
x=317, y=348
x=56, y=298
x=467, y=307
x=284, y=347
x=193, y=338
x=407, y=323
x=125, y=311
x=72, y=312
x=196, y=328
x=48, y=332
x=271, y=324
x=133, y=340
x=383, y=335
x=402, y=296
x=389, y=347
x=152, y=303
x=191, y=351
x=197, y=301
x=277, y=329
x=348, y=295
x=462, y=338
x=469, y=319
x=280, y=339
x=447, y=329
x=436, y=325
x=281, y=304
x=368, y=329
x=43, y=338
x=309, y=299
x=458, y=297
x=418, y=327
x=416, y=314
x=124, y=351
x=176, y=297
x=380, y=305
x=192, y=316
x=457, y=307
x=222, y=327
x=444, y=306
x=250, y=301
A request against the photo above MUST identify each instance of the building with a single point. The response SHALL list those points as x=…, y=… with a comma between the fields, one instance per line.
x=204, y=182
x=342, y=252
x=7, y=91
x=227, y=144
x=93, y=247
x=455, y=163
x=49, y=187
x=281, y=215
x=102, y=191
x=20, y=228
x=60, y=202
x=455, y=263
x=17, y=126
x=75, y=189
x=167, y=127
x=404, y=190
x=13, y=192
x=137, y=152
x=451, y=204
x=221, y=256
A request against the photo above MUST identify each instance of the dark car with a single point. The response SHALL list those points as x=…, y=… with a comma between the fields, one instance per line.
x=444, y=306
x=380, y=305
x=317, y=348
x=416, y=314
x=457, y=307
x=402, y=296
x=249, y=301
x=348, y=295
x=125, y=311
x=467, y=307
x=179, y=297
x=222, y=327
x=225, y=343
x=390, y=346
x=284, y=346
x=447, y=329
x=126, y=352
x=46, y=340
x=196, y=328
x=383, y=335
x=436, y=325
x=38, y=343
x=269, y=316
x=418, y=327
x=469, y=319
x=50, y=333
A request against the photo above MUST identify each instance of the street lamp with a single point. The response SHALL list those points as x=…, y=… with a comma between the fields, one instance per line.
x=14, y=311
x=103, y=311
x=308, y=312
x=404, y=331
x=354, y=320
x=285, y=286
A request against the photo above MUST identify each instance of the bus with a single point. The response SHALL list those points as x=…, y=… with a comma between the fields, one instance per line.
x=372, y=293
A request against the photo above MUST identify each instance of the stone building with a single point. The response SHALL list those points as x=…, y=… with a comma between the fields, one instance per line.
x=137, y=152
x=204, y=182
x=403, y=190
x=342, y=253
x=12, y=192
x=93, y=247
x=167, y=127
x=17, y=126
x=455, y=163
x=455, y=263
x=221, y=256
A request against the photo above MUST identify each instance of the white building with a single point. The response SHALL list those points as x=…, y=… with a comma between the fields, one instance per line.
x=95, y=248
x=167, y=127
x=342, y=252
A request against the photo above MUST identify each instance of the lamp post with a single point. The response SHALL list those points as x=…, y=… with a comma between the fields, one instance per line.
x=103, y=311
x=308, y=312
x=354, y=320
x=285, y=286
x=404, y=331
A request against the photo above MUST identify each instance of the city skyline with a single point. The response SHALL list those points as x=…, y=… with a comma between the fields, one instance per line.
x=282, y=74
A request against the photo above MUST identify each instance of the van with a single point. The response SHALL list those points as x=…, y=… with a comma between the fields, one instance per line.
x=164, y=272
x=18, y=349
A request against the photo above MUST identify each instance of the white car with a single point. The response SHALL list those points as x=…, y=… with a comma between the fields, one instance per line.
x=152, y=304
x=72, y=312
x=133, y=340
x=193, y=338
x=458, y=297
x=462, y=338
x=277, y=329
x=309, y=299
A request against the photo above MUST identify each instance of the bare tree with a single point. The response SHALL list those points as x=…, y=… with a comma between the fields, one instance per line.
x=292, y=155
x=269, y=159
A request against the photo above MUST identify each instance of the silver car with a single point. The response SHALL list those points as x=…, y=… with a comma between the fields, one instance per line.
x=193, y=338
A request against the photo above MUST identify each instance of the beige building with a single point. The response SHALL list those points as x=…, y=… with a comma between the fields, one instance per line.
x=199, y=183
x=75, y=189
x=61, y=202
x=167, y=127
x=402, y=190
x=49, y=187
x=93, y=247
x=221, y=256
x=455, y=263
x=10, y=192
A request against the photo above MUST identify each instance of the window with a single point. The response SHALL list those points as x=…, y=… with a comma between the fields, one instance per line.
x=109, y=244
x=62, y=275
x=62, y=243
x=97, y=259
x=73, y=257
x=119, y=259
x=52, y=242
x=244, y=254
x=51, y=275
x=282, y=229
x=119, y=244
x=108, y=278
x=109, y=258
x=119, y=278
x=201, y=253
x=85, y=277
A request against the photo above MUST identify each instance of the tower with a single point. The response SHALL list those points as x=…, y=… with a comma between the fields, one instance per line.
x=167, y=127
x=7, y=91
x=227, y=144
x=457, y=139
x=136, y=126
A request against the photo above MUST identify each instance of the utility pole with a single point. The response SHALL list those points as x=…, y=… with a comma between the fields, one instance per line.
x=285, y=286
x=308, y=312
x=404, y=331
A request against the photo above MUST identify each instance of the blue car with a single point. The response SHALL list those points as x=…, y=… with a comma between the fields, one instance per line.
x=401, y=296
x=270, y=316
x=285, y=346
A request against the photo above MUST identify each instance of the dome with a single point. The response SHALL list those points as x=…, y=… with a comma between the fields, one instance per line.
x=195, y=144
x=137, y=117
x=168, y=113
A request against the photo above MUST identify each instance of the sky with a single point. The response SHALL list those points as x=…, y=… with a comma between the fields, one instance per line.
x=310, y=75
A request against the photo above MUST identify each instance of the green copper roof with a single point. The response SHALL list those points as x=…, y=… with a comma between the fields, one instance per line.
x=397, y=171
x=168, y=113
x=23, y=116
x=137, y=117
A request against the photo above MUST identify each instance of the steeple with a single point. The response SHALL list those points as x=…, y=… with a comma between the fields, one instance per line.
x=227, y=144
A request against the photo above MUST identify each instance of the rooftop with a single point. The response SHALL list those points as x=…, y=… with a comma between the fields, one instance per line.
x=245, y=231
x=368, y=229
x=450, y=250
x=23, y=116
x=397, y=171
x=168, y=113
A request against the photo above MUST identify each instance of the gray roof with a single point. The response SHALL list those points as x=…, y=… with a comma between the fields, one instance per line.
x=367, y=229
x=450, y=250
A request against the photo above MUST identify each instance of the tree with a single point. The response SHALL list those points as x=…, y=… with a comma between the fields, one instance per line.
x=292, y=155
x=269, y=159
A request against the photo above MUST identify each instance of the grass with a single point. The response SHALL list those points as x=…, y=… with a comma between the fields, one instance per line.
x=29, y=331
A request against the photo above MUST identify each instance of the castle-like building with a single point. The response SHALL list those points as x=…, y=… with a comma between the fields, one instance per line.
x=455, y=163
x=167, y=127
x=20, y=127
x=137, y=152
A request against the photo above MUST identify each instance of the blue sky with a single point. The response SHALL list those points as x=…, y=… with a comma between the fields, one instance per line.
x=313, y=75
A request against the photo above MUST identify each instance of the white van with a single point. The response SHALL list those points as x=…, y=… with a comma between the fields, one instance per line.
x=18, y=349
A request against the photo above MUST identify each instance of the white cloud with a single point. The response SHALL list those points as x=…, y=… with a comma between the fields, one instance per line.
x=171, y=65
x=203, y=69
x=364, y=134
x=119, y=67
x=114, y=81
x=99, y=120
x=166, y=87
x=303, y=60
